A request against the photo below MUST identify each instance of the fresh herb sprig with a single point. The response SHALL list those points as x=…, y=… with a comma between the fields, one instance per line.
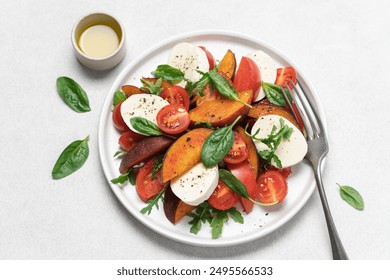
x=71, y=159
x=152, y=88
x=153, y=203
x=73, y=94
x=273, y=141
x=122, y=179
x=216, y=218
x=236, y=186
x=158, y=162
x=217, y=145
x=352, y=197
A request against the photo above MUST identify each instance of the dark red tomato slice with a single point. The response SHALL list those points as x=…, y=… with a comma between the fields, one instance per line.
x=244, y=172
x=223, y=198
x=119, y=123
x=248, y=76
x=271, y=187
x=285, y=172
x=128, y=139
x=238, y=152
x=285, y=74
x=176, y=95
x=173, y=119
x=147, y=188
x=210, y=57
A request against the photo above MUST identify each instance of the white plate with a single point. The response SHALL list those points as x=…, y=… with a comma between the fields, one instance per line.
x=260, y=221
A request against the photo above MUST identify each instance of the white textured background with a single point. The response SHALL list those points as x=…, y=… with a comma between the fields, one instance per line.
x=342, y=47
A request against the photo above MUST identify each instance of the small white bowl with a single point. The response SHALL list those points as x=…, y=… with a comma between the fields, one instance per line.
x=107, y=62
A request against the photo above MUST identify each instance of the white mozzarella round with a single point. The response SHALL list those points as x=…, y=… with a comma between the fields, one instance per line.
x=267, y=68
x=189, y=59
x=290, y=151
x=143, y=105
x=196, y=185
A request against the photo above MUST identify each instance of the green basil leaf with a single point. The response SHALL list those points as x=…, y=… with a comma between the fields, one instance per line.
x=274, y=94
x=352, y=197
x=73, y=94
x=233, y=183
x=71, y=159
x=168, y=73
x=145, y=126
x=216, y=146
x=119, y=96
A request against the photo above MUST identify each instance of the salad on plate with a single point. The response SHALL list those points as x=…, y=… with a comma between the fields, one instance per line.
x=208, y=139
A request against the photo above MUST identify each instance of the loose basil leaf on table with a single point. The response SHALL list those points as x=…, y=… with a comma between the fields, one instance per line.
x=73, y=94
x=352, y=197
x=71, y=159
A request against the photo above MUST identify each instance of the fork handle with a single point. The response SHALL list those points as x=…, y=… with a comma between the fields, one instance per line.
x=337, y=247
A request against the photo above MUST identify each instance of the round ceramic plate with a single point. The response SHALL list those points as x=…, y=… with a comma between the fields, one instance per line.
x=261, y=221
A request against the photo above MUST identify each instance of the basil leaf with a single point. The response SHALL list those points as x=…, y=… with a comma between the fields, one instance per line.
x=233, y=183
x=274, y=94
x=119, y=96
x=145, y=126
x=71, y=159
x=168, y=73
x=352, y=197
x=217, y=145
x=73, y=94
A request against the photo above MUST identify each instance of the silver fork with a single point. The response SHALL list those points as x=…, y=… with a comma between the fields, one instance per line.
x=317, y=149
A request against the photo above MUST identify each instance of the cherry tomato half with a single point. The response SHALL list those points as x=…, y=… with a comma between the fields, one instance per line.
x=248, y=76
x=284, y=75
x=128, y=139
x=119, y=123
x=271, y=187
x=173, y=119
x=285, y=172
x=223, y=198
x=244, y=172
x=176, y=95
x=147, y=188
x=238, y=152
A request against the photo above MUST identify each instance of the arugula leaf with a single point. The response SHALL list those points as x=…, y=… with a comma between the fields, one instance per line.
x=119, y=96
x=205, y=124
x=152, y=88
x=199, y=86
x=154, y=202
x=217, y=145
x=71, y=159
x=122, y=179
x=217, y=224
x=200, y=216
x=157, y=166
x=73, y=94
x=119, y=153
x=235, y=215
x=352, y=197
x=168, y=73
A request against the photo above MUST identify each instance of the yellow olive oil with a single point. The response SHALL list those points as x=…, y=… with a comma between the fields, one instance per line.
x=98, y=41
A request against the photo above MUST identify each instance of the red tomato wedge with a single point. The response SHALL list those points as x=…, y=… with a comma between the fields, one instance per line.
x=223, y=198
x=147, y=188
x=210, y=57
x=119, y=123
x=271, y=187
x=176, y=95
x=173, y=119
x=128, y=139
x=244, y=173
x=285, y=172
x=238, y=152
x=248, y=77
x=284, y=75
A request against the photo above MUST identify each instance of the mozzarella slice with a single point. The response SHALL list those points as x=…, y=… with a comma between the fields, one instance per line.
x=189, y=59
x=267, y=68
x=196, y=185
x=142, y=105
x=290, y=151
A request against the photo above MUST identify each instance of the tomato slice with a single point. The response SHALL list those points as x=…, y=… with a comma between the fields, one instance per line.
x=285, y=74
x=147, y=188
x=223, y=198
x=271, y=187
x=176, y=95
x=238, y=152
x=285, y=172
x=173, y=119
x=119, y=123
x=128, y=139
x=210, y=57
x=244, y=172
x=248, y=76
